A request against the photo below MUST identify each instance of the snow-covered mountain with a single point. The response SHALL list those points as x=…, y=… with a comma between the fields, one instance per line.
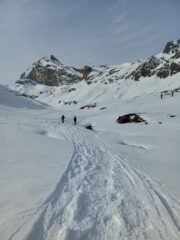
x=60, y=181
x=103, y=83
x=50, y=71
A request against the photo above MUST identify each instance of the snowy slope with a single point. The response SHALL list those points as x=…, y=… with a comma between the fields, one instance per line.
x=102, y=197
x=76, y=184
x=30, y=164
x=119, y=181
x=50, y=71
x=9, y=99
x=97, y=92
x=104, y=83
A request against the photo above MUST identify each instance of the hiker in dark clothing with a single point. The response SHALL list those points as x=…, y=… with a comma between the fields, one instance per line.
x=75, y=120
x=62, y=118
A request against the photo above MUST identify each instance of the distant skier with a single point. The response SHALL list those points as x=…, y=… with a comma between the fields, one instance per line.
x=62, y=118
x=161, y=95
x=75, y=120
x=172, y=93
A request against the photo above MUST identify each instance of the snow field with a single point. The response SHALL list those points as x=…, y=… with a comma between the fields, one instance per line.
x=101, y=197
x=74, y=184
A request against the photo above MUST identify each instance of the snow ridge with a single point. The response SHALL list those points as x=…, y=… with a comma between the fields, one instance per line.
x=100, y=196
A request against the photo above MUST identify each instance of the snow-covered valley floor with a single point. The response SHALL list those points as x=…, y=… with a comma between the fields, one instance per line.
x=60, y=181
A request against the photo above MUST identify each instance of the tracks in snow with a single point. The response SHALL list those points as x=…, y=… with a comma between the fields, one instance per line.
x=101, y=197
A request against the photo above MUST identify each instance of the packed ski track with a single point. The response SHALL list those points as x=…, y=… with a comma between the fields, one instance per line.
x=101, y=196
x=97, y=194
x=60, y=181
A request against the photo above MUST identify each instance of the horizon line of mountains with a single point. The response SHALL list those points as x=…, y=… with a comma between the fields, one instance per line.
x=50, y=71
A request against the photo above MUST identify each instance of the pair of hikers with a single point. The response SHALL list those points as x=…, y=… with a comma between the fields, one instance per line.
x=172, y=94
x=63, y=119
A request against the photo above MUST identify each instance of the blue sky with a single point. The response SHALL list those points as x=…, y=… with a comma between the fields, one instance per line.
x=80, y=32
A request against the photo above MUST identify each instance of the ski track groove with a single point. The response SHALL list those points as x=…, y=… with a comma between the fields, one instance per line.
x=100, y=196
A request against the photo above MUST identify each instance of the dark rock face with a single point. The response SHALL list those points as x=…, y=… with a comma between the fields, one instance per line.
x=177, y=55
x=86, y=72
x=160, y=65
x=130, y=118
x=54, y=59
x=172, y=47
x=50, y=71
x=89, y=127
x=163, y=72
x=44, y=76
x=145, y=69
x=174, y=68
x=89, y=106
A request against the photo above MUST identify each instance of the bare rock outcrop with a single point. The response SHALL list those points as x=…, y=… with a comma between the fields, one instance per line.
x=130, y=118
x=146, y=68
x=174, y=68
x=162, y=65
x=86, y=72
x=172, y=47
x=50, y=71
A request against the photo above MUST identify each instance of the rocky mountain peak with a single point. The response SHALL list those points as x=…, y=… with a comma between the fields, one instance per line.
x=54, y=59
x=50, y=71
x=172, y=47
x=86, y=71
x=49, y=60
